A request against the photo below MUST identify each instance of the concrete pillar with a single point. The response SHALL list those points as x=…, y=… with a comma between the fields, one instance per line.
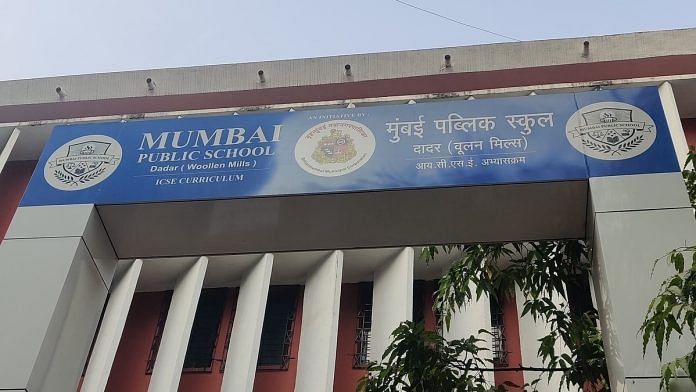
x=635, y=220
x=177, y=329
x=320, y=310
x=676, y=131
x=7, y=148
x=468, y=320
x=56, y=266
x=109, y=337
x=245, y=338
x=530, y=332
x=392, y=300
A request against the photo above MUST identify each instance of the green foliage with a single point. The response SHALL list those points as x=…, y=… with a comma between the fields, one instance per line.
x=673, y=312
x=540, y=270
x=689, y=175
x=422, y=361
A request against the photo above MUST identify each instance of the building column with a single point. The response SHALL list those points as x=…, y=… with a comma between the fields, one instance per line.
x=177, y=329
x=245, y=339
x=676, y=131
x=56, y=266
x=7, y=148
x=530, y=332
x=113, y=321
x=634, y=221
x=320, y=310
x=392, y=300
x=467, y=321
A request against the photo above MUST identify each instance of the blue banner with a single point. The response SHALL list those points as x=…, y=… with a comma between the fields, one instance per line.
x=539, y=138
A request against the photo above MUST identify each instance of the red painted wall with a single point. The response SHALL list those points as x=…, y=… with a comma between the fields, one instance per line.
x=689, y=125
x=283, y=380
x=13, y=181
x=428, y=302
x=345, y=377
x=128, y=371
x=512, y=337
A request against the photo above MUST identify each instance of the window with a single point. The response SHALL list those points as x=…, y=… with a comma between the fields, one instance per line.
x=418, y=301
x=278, y=327
x=500, y=353
x=439, y=320
x=362, y=333
x=580, y=295
x=205, y=330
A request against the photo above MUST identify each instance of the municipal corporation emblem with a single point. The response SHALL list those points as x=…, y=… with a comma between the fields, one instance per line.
x=83, y=162
x=611, y=131
x=335, y=148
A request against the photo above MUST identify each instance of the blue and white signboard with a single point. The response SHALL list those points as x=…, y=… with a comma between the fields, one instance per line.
x=436, y=144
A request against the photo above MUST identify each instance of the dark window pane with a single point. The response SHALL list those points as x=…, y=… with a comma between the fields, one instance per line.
x=419, y=301
x=204, y=333
x=278, y=326
x=580, y=295
x=500, y=353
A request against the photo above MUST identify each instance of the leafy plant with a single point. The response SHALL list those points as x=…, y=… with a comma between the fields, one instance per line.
x=673, y=310
x=541, y=271
x=423, y=361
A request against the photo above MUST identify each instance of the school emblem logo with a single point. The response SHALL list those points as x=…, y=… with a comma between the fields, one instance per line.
x=83, y=162
x=611, y=131
x=334, y=148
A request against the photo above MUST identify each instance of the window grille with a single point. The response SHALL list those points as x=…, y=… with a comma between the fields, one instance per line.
x=500, y=353
x=205, y=330
x=363, y=331
x=164, y=309
x=439, y=321
x=278, y=327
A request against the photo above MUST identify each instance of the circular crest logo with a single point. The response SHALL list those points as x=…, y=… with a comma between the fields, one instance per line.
x=335, y=148
x=83, y=162
x=611, y=131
